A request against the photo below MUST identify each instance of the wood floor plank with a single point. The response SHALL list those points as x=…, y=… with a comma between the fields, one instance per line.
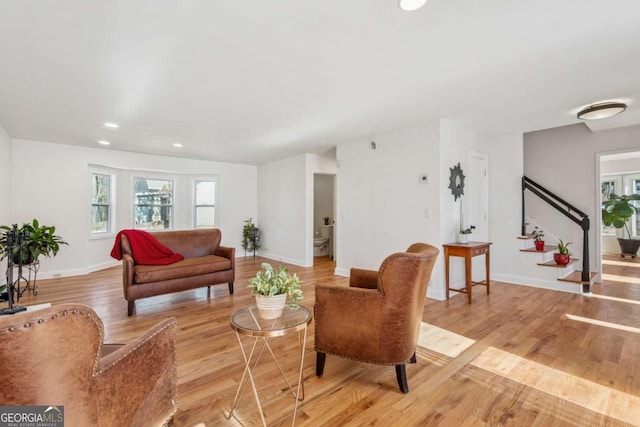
x=534, y=357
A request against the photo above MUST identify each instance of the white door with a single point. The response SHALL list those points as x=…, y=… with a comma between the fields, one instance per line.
x=477, y=195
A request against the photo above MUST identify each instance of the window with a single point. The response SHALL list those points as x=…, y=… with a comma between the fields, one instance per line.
x=100, y=203
x=204, y=196
x=153, y=201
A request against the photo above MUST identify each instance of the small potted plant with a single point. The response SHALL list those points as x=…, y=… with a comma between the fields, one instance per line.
x=326, y=220
x=463, y=234
x=538, y=238
x=271, y=289
x=563, y=256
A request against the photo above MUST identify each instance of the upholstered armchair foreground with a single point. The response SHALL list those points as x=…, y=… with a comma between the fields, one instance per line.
x=377, y=318
x=54, y=357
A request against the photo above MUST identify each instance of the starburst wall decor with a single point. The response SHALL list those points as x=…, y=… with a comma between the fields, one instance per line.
x=456, y=181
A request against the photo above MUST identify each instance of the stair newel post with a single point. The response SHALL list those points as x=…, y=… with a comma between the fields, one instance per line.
x=524, y=226
x=586, y=272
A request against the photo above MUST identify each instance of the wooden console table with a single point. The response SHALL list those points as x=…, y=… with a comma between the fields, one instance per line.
x=467, y=251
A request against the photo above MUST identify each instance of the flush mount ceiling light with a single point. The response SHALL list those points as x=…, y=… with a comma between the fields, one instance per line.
x=410, y=5
x=602, y=110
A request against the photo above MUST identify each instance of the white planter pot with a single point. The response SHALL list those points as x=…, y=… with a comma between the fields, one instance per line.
x=270, y=307
x=463, y=238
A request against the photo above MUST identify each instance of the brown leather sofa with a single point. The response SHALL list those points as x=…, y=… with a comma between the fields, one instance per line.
x=377, y=318
x=55, y=356
x=206, y=263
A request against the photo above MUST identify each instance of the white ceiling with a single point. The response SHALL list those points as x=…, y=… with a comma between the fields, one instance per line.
x=257, y=80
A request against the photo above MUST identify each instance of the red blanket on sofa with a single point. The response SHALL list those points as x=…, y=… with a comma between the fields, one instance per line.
x=145, y=249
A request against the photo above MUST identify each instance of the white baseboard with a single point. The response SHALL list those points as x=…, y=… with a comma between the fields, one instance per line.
x=554, y=285
x=280, y=258
x=54, y=274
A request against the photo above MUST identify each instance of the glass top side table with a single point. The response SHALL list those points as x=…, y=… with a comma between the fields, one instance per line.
x=246, y=321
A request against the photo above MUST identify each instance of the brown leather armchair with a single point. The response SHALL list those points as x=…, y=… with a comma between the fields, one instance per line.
x=54, y=356
x=377, y=318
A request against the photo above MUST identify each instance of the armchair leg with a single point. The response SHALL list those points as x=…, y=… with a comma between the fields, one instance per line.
x=401, y=374
x=231, y=288
x=320, y=358
x=130, y=305
x=413, y=358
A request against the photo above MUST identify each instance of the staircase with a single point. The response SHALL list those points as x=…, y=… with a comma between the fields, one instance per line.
x=544, y=258
x=565, y=273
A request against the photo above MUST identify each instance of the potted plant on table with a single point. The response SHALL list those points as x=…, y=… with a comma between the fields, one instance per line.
x=463, y=234
x=37, y=240
x=563, y=256
x=271, y=289
x=538, y=238
x=616, y=212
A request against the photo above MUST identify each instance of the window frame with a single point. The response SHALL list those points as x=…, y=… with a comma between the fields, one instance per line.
x=172, y=205
x=195, y=206
x=111, y=204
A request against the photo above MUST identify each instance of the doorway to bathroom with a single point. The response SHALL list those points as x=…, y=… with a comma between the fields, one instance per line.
x=324, y=210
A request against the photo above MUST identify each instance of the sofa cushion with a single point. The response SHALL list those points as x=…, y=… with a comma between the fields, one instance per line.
x=185, y=268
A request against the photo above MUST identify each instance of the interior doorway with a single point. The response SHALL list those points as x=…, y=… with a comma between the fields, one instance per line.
x=619, y=174
x=324, y=214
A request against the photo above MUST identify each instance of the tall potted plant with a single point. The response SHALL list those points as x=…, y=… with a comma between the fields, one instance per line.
x=250, y=237
x=616, y=212
x=271, y=289
x=37, y=240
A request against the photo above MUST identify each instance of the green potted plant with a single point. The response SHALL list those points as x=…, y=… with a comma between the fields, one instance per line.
x=616, y=212
x=563, y=256
x=250, y=237
x=38, y=240
x=538, y=238
x=271, y=289
x=464, y=233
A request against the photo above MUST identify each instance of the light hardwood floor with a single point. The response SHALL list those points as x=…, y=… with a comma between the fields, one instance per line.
x=536, y=357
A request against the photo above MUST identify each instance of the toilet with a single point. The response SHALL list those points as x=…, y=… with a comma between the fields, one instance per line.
x=321, y=242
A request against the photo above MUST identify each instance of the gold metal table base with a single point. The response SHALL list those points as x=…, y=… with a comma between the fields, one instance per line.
x=244, y=322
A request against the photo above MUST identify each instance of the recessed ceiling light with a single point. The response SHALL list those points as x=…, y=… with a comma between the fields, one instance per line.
x=602, y=110
x=410, y=5
x=111, y=125
x=177, y=144
x=104, y=142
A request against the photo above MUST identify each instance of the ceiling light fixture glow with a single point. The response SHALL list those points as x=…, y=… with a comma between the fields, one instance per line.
x=602, y=110
x=177, y=145
x=111, y=125
x=411, y=5
x=104, y=143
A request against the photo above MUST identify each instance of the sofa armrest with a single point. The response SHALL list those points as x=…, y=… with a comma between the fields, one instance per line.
x=363, y=278
x=136, y=384
x=229, y=253
x=128, y=267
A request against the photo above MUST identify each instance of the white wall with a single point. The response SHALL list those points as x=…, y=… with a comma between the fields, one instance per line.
x=5, y=185
x=382, y=206
x=5, y=177
x=506, y=166
x=283, y=210
x=565, y=160
x=51, y=183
